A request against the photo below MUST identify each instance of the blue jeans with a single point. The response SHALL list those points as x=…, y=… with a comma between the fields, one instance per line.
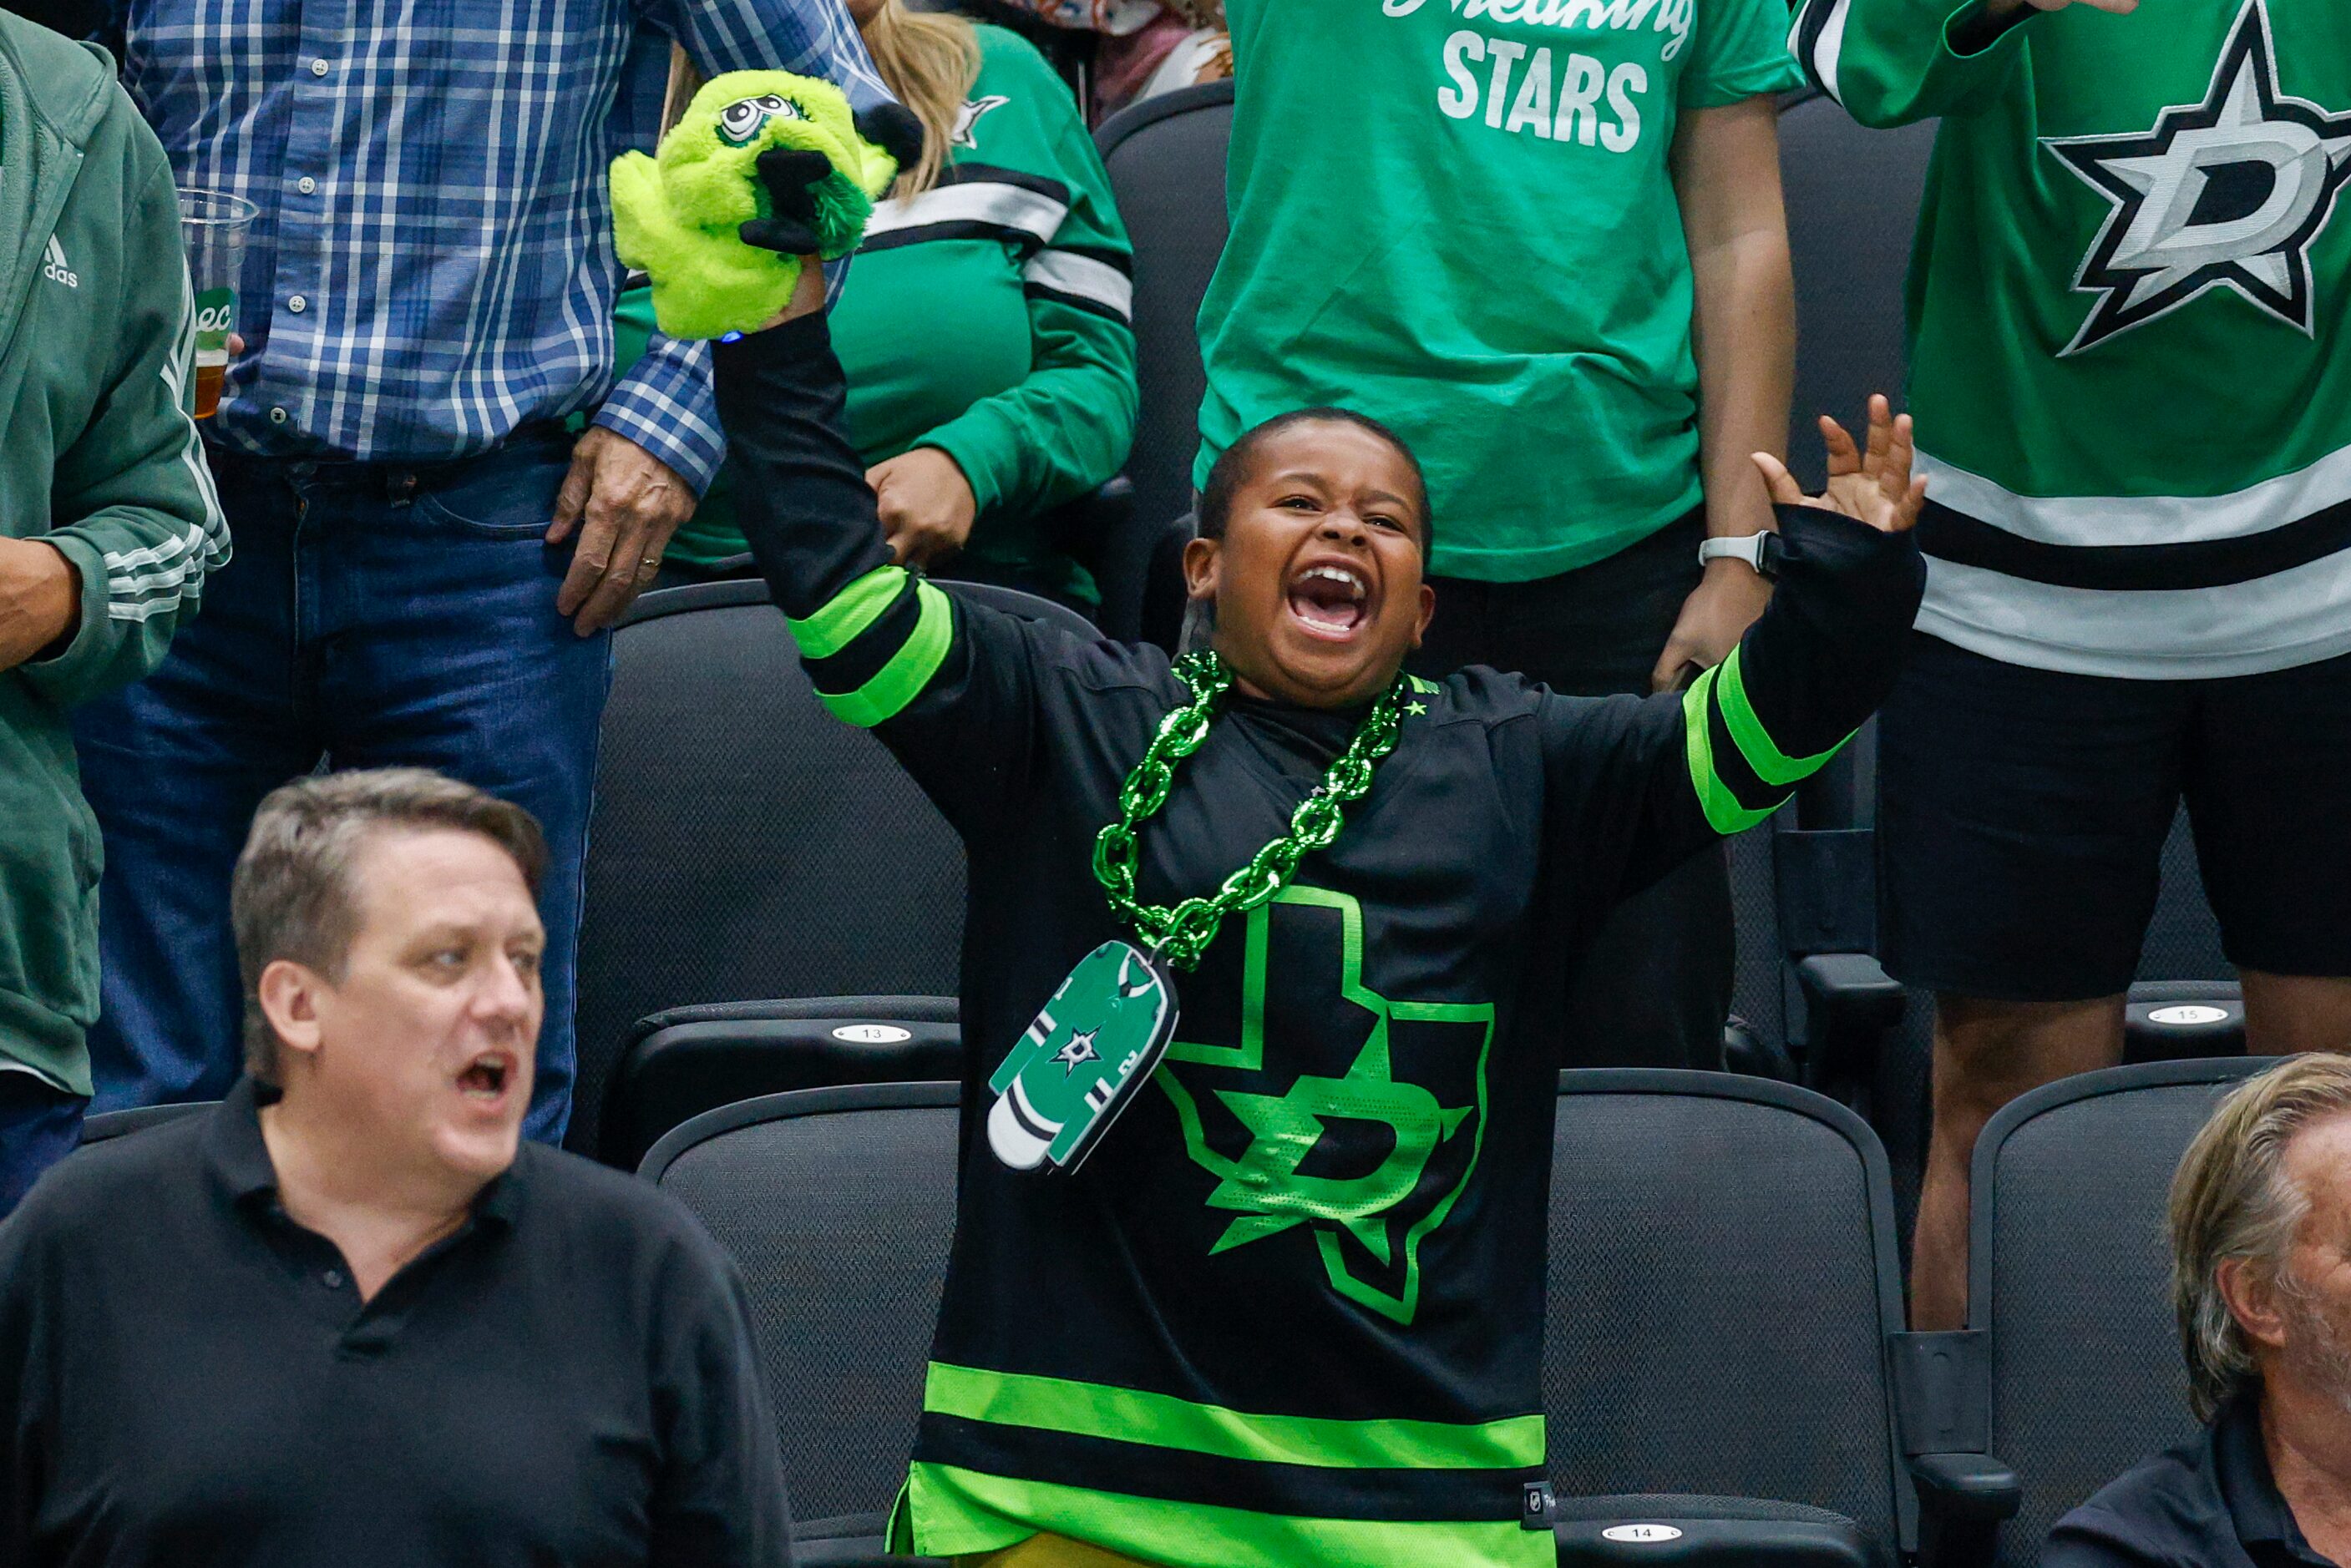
x=39, y=1126
x=375, y=614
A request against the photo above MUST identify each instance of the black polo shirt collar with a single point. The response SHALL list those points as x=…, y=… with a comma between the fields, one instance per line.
x=2240, y=1465
x=245, y=1184
x=238, y=1161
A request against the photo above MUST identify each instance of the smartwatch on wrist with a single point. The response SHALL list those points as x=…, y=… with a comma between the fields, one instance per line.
x=1760, y=551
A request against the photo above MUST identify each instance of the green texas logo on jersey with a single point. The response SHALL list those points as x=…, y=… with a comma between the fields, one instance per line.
x=1341, y=1121
x=2230, y=192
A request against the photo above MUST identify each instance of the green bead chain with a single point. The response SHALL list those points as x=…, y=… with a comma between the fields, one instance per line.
x=1180, y=934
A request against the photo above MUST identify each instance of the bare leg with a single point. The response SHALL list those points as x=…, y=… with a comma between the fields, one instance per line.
x=1987, y=1054
x=2286, y=1013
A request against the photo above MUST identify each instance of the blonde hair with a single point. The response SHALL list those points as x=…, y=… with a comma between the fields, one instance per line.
x=2232, y=1199
x=928, y=60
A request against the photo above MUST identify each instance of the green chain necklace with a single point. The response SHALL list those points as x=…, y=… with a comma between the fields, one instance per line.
x=1180, y=934
x=1098, y=1039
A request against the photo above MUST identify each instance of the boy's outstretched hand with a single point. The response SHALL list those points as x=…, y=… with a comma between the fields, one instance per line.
x=1873, y=486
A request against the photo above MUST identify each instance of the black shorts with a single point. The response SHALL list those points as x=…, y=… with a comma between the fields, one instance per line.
x=2022, y=812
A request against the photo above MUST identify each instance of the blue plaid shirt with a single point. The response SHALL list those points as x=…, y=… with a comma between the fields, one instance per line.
x=433, y=265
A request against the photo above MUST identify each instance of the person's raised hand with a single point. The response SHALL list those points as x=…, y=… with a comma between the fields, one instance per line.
x=40, y=599
x=925, y=504
x=625, y=503
x=1872, y=485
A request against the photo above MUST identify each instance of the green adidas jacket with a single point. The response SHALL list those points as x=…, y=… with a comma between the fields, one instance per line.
x=99, y=458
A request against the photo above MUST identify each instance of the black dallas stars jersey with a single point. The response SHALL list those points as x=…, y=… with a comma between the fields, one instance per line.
x=1290, y=1310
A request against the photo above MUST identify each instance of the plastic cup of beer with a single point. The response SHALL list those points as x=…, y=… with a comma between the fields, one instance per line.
x=214, y=223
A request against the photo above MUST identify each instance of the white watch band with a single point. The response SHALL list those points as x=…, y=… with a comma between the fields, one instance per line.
x=1747, y=547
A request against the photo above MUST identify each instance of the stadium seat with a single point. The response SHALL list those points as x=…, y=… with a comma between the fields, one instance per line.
x=2071, y=1368
x=1850, y=194
x=839, y=1206
x=1166, y=161
x=748, y=845
x=1723, y=1294
x=687, y=1060
x=122, y=1124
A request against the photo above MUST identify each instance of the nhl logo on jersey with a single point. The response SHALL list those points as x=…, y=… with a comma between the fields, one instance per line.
x=2229, y=192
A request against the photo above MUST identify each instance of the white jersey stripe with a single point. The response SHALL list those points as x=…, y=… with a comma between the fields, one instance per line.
x=982, y=202
x=2291, y=617
x=1830, y=48
x=1065, y=272
x=2090, y=520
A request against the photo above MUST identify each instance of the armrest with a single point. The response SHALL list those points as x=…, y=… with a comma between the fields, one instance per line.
x=1850, y=1005
x=1966, y=1486
x=1963, y=1498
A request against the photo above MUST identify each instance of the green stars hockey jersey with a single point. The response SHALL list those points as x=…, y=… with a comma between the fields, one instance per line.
x=2130, y=319
x=1291, y=1310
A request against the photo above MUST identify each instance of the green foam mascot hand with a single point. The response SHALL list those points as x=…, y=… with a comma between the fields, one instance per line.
x=758, y=157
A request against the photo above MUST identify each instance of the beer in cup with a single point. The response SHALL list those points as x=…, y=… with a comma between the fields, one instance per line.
x=214, y=223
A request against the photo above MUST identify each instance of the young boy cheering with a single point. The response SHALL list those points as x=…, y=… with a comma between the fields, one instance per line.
x=1288, y=1309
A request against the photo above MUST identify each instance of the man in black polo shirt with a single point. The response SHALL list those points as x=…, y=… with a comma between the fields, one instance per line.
x=351, y=1319
x=2261, y=1236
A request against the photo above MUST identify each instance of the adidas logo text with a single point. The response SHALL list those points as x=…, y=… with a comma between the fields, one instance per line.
x=57, y=271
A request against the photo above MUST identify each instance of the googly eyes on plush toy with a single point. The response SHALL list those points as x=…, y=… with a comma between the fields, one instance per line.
x=738, y=122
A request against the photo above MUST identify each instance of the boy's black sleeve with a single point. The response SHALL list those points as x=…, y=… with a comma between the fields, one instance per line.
x=1637, y=785
x=948, y=685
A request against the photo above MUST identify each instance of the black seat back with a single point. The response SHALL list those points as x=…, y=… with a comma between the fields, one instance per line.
x=687, y=1060
x=1722, y=1279
x=839, y=1206
x=2070, y=1272
x=1844, y=184
x=745, y=843
x=1166, y=161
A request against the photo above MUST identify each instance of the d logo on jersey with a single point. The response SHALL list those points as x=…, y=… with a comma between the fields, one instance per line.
x=2229, y=192
x=1342, y=1120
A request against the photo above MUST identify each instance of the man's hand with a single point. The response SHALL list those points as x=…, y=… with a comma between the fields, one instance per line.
x=926, y=505
x=1873, y=486
x=40, y=599
x=630, y=503
x=1714, y=618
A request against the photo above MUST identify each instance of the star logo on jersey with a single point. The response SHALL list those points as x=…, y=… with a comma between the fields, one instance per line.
x=968, y=115
x=1366, y=1159
x=2227, y=194
x=1077, y=1052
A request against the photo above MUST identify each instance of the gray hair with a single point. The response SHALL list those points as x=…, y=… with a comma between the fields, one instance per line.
x=292, y=897
x=2231, y=1198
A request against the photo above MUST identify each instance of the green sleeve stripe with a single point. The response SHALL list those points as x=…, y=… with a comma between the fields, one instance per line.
x=855, y=608
x=945, y=1511
x=1724, y=812
x=1131, y=1416
x=910, y=668
x=1771, y=765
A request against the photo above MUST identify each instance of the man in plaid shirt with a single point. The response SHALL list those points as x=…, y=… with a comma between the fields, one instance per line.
x=427, y=562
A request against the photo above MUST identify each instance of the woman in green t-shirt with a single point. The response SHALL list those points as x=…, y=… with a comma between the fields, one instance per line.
x=984, y=324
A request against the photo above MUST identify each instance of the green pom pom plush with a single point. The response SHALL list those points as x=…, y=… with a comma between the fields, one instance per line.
x=678, y=216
